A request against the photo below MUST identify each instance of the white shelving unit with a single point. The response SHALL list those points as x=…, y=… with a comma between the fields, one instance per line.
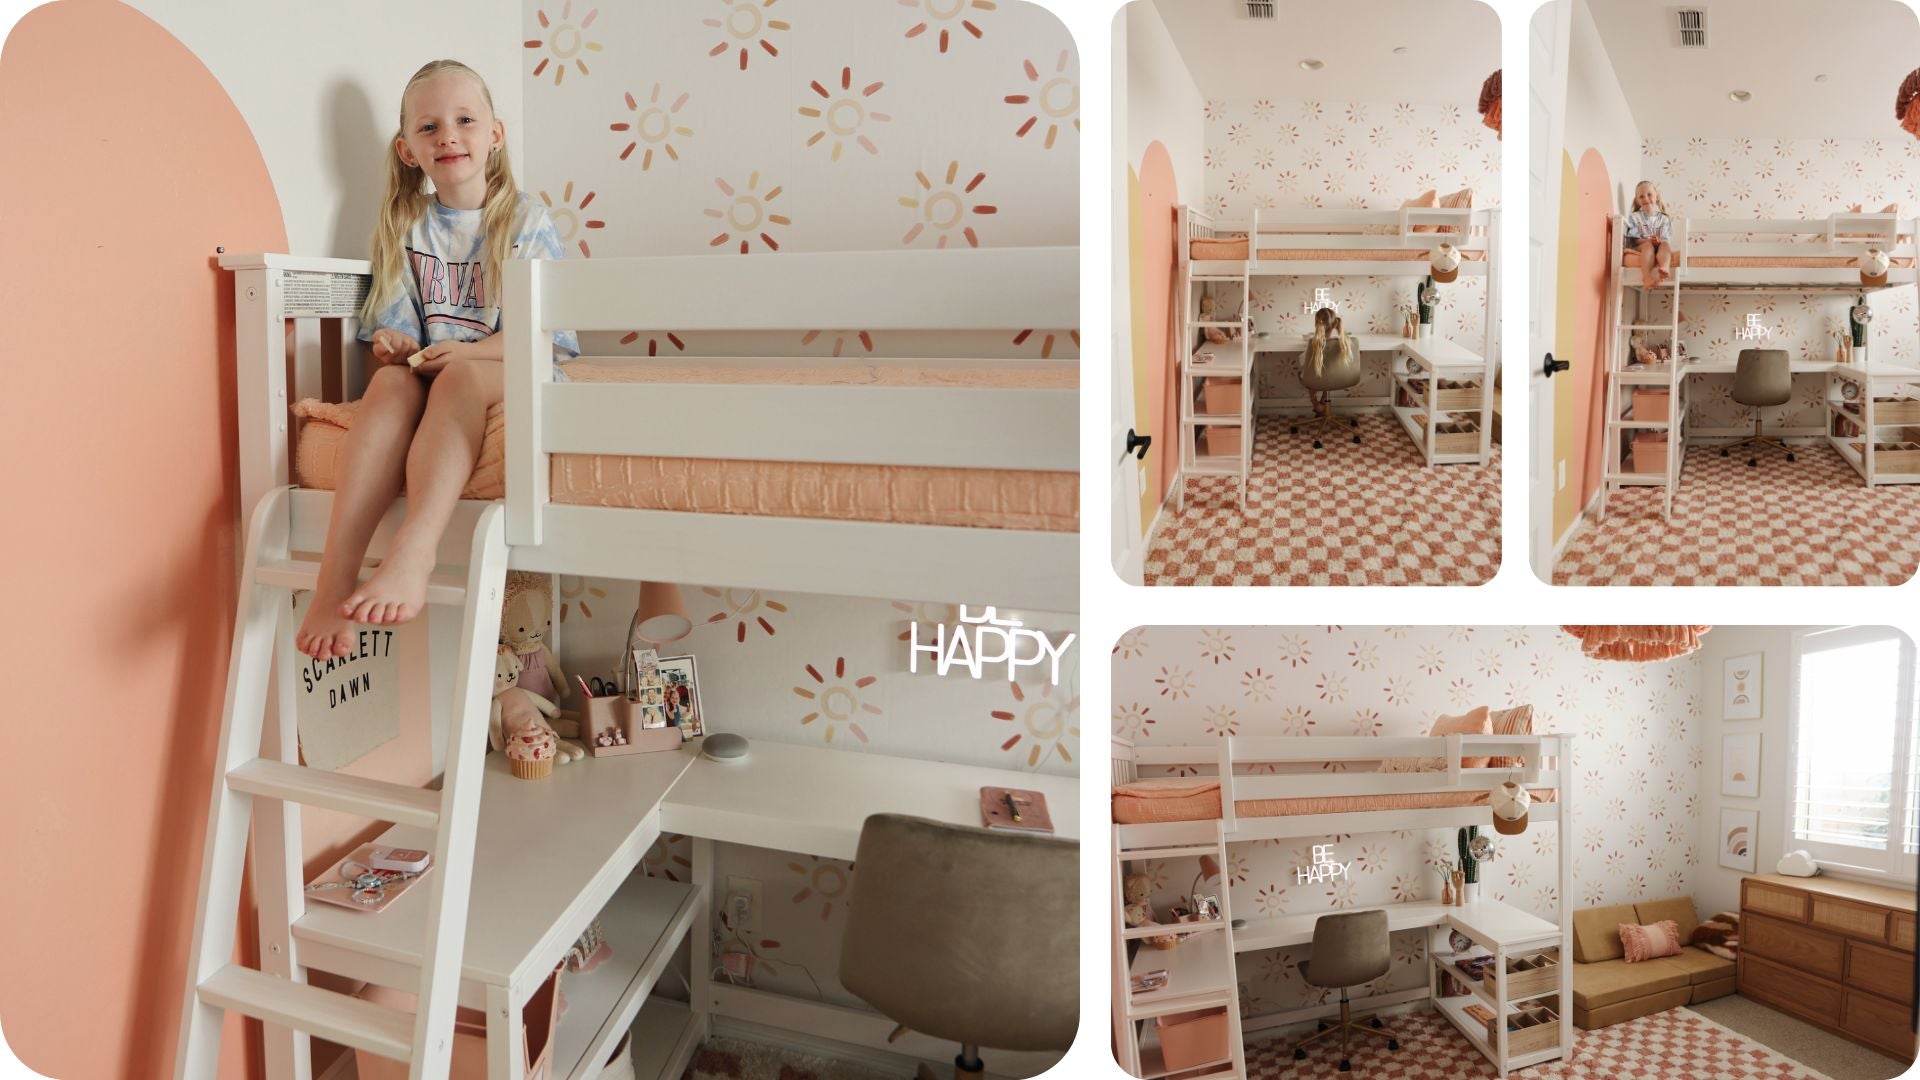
x=1204, y=361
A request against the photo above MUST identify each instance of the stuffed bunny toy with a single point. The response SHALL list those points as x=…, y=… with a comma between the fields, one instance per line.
x=515, y=707
x=526, y=618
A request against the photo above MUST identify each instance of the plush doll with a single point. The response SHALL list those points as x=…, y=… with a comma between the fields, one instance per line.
x=1212, y=310
x=1137, y=892
x=526, y=618
x=515, y=707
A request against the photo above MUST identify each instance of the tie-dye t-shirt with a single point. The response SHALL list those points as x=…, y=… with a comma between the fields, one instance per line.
x=446, y=295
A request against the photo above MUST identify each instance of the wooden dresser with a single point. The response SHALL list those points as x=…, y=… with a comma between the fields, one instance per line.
x=1838, y=954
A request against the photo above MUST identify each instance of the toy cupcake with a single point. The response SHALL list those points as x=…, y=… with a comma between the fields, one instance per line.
x=530, y=753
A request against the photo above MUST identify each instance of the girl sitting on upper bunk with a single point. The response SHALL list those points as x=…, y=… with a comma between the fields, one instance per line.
x=1649, y=233
x=433, y=319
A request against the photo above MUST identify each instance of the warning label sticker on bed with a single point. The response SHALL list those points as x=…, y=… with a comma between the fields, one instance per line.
x=312, y=294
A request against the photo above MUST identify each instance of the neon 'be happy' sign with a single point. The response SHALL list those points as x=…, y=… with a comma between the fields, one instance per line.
x=968, y=642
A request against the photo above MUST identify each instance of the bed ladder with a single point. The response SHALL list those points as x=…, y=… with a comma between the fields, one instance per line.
x=1238, y=282
x=216, y=984
x=1622, y=379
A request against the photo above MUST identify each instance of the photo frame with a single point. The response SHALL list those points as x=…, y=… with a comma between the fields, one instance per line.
x=682, y=703
x=1742, y=679
x=1739, y=839
x=1740, y=766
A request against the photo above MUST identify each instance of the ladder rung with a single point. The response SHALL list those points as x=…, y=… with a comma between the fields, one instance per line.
x=300, y=574
x=1646, y=326
x=375, y=799
x=302, y=1007
x=1647, y=425
x=1657, y=479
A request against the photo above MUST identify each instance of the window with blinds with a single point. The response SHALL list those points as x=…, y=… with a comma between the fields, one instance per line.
x=1856, y=764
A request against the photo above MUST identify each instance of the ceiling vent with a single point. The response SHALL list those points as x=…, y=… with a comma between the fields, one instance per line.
x=1691, y=24
x=1259, y=9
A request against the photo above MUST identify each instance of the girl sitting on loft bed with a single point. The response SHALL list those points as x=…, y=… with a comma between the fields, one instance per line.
x=433, y=319
x=1649, y=233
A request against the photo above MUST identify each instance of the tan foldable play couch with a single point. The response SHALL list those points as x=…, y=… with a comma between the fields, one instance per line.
x=1608, y=990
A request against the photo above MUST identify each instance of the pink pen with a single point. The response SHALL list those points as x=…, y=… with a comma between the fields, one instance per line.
x=583, y=685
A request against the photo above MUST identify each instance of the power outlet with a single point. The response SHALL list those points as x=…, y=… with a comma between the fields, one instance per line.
x=743, y=904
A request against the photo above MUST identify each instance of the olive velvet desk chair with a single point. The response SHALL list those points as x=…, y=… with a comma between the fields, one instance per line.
x=966, y=934
x=1348, y=949
x=1761, y=377
x=1340, y=369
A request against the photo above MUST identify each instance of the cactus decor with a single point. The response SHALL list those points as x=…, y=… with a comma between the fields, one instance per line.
x=1469, y=865
x=1420, y=298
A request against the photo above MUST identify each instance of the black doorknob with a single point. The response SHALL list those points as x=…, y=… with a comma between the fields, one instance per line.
x=1553, y=365
x=1137, y=445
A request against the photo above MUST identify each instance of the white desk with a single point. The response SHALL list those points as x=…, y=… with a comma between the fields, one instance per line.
x=814, y=801
x=1489, y=922
x=554, y=854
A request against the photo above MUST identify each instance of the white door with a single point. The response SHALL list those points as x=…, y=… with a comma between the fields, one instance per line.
x=1129, y=547
x=1547, y=102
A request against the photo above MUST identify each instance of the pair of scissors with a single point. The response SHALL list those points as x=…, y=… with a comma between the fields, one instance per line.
x=601, y=687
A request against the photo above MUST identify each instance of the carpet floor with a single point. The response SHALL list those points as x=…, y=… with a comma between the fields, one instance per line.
x=1805, y=522
x=1678, y=1044
x=1370, y=513
x=1839, y=1058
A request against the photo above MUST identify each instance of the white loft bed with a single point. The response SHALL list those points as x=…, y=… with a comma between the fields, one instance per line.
x=1196, y=979
x=1768, y=255
x=1306, y=242
x=522, y=934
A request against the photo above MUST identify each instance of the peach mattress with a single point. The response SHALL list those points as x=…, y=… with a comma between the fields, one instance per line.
x=1767, y=262
x=914, y=495
x=1173, y=798
x=1237, y=249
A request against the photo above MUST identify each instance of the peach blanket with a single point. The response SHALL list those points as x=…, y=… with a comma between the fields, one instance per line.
x=1173, y=798
x=982, y=498
x=1237, y=249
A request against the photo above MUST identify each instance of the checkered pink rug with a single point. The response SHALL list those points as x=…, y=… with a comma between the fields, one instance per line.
x=1371, y=514
x=1670, y=1045
x=1806, y=522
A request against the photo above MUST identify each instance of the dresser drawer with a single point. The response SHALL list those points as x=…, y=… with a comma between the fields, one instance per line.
x=1880, y=1022
x=1883, y=971
x=1771, y=899
x=1785, y=988
x=1813, y=951
x=1900, y=930
x=1850, y=918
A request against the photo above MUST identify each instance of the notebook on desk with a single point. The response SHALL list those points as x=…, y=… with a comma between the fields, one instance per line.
x=1015, y=810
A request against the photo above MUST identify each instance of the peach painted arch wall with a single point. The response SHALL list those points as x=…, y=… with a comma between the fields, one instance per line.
x=126, y=165
x=1590, y=300
x=1157, y=201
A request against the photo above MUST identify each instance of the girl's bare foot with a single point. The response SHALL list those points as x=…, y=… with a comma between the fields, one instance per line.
x=396, y=592
x=324, y=633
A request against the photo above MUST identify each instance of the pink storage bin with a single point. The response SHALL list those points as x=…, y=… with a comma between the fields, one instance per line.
x=470, y=1036
x=1652, y=405
x=1191, y=1039
x=1220, y=397
x=1219, y=440
x=1649, y=453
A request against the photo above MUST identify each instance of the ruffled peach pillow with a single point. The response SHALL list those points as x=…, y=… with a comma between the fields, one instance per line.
x=1477, y=722
x=1650, y=942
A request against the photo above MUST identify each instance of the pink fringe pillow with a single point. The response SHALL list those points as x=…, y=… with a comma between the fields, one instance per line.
x=1650, y=942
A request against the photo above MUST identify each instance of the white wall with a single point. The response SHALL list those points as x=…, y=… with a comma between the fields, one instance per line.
x=320, y=89
x=1163, y=103
x=1716, y=887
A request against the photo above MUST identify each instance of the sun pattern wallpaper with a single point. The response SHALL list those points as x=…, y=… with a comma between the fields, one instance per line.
x=1349, y=155
x=1785, y=178
x=1637, y=760
x=756, y=128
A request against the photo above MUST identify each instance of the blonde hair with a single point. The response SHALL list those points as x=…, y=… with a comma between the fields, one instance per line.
x=1326, y=326
x=407, y=197
x=1658, y=203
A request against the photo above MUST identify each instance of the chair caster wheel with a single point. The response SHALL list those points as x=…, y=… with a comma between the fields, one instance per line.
x=1723, y=453
x=1352, y=422
x=1393, y=1044
x=1790, y=457
x=1300, y=1053
x=1293, y=429
x=1316, y=444
x=1345, y=1065
x=1356, y=440
x=1322, y=1026
x=1753, y=462
x=1375, y=1021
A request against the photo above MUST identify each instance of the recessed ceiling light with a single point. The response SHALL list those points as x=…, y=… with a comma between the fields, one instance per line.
x=1399, y=50
x=1311, y=65
x=1820, y=78
x=1740, y=95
